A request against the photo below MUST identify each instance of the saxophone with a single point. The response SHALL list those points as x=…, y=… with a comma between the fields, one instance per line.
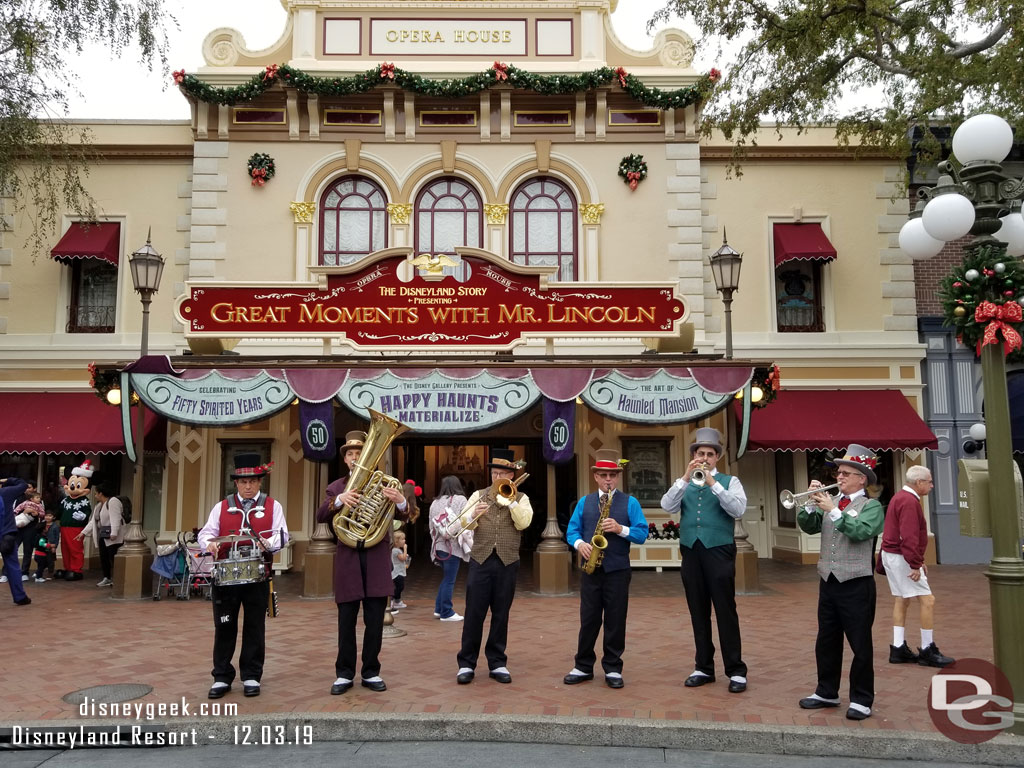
x=598, y=544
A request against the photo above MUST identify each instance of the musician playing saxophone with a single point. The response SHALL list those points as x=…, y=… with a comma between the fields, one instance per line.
x=615, y=519
x=360, y=576
x=493, y=566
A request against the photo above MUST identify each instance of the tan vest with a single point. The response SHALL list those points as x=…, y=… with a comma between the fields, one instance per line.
x=496, y=532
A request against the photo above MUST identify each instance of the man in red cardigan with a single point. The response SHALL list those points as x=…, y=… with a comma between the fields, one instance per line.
x=904, y=541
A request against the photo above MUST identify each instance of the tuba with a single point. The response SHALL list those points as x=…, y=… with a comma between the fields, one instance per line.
x=365, y=523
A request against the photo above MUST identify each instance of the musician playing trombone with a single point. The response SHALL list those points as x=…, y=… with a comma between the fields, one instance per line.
x=360, y=576
x=493, y=566
x=708, y=502
x=247, y=508
x=601, y=529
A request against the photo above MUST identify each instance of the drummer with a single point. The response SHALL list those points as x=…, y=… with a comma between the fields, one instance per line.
x=245, y=511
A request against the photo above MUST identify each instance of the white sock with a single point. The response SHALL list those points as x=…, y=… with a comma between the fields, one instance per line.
x=342, y=681
x=500, y=670
x=464, y=670
x=613, y=674
x=251, y=683
x=697, y=672
x=219, y=685
x=822, y=698
x=577, y=671
x=927, y=637
x=899, y=636
x=374, y=679
x=738, y=679
x=860, y=708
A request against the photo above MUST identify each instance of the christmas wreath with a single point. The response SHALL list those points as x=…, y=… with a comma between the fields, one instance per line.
x=769, y=380
x=261, y=169
x=982, y=299
x=633, y=170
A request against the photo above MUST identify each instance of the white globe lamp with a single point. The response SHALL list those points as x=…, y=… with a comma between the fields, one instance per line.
x=1012, y=233
x=917, y=243
x=948, y=216
x=983, y=138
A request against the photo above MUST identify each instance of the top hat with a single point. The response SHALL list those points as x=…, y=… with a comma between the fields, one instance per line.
x=503, y=458
x=85, y=470
x=354, y=439
x=862, y=459
x=707, y=437
x=249, y=465
x=607, y=461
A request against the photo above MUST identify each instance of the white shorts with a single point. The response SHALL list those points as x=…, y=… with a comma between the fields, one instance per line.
x=897, y=570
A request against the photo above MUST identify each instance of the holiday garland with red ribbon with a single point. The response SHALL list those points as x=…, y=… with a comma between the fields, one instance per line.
x=500, y=74
x=982, y=299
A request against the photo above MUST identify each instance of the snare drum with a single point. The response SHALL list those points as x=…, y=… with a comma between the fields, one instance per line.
x=239, y=570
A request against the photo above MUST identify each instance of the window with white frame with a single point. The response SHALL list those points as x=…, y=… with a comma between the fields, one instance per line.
x=353, y=220
x=543, y=226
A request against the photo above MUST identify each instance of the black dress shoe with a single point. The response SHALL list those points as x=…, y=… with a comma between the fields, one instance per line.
x=613, y=682
x=339, y=688
x=856, y=714
x=218, y=692
x=376, y=685
x=901, y=655
x=251, y=690
x=812, y=703
x=572, y=679
x=503, y=677
x=932, y=657
x=26, y=600
x=735, y=686
x=465, y=678
x=696, y=681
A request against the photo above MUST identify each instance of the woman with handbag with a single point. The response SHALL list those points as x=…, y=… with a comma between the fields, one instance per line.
x=107, y=529
x=445, y=550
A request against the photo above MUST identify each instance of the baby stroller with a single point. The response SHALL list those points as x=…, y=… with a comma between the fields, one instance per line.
x=183, y=568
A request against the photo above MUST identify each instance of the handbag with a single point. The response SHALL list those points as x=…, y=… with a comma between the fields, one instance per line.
x=104, y=531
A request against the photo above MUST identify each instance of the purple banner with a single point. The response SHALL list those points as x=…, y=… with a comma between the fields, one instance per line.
x=559, y=430
x=316, y=425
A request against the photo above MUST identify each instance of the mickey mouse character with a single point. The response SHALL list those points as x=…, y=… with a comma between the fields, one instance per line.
x=75, y=509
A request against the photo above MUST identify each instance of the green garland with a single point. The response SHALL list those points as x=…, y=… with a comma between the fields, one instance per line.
x=987, y=274
x=499, y=74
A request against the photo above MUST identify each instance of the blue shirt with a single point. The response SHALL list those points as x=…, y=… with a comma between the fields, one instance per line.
x=637, y=523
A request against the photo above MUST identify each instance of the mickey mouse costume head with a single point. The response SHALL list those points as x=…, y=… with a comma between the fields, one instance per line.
x=78, y=483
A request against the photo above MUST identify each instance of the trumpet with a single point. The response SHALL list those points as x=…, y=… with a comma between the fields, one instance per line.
x=788, y=499
x=699, y=476
x=505, y=490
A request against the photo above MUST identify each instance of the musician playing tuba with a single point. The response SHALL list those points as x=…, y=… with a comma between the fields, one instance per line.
x=360, y=575
x=500, y=513
x=613, y=519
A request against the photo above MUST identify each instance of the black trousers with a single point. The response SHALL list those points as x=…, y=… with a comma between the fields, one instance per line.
x=373, y=637
x=846, y=608
x=604, y=597
x=709, y=579
x=490, y=585
x=252, y=598
x=107, y=553
x=28, y=537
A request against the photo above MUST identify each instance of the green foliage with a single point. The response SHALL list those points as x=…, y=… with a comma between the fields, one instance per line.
x=918, y=61
x=43, y=159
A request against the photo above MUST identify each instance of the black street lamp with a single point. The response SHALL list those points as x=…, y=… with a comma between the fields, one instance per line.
x=725, y=268
x=982, y=200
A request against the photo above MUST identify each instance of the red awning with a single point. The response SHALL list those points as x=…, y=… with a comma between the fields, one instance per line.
x=89, y=241
x=801, y=241
x=807, y=420
x=65, y=422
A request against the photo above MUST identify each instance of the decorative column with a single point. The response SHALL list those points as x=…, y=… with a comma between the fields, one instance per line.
x=496, y=215
x=400, y=213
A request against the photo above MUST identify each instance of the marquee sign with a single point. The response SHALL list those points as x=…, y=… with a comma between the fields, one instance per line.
x=660, y=399
x=212, y=400
x=391, y=300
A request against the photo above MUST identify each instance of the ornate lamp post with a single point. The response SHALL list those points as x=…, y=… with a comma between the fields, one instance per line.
x=725, y=268
x=982, y=299
x=130, y=564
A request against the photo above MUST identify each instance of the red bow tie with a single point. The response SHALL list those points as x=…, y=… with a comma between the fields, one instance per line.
x=844, y=502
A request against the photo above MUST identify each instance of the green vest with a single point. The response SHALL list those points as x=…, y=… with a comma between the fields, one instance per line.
x=702, y=517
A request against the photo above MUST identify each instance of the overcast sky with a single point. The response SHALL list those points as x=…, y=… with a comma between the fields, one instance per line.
x=125, y=89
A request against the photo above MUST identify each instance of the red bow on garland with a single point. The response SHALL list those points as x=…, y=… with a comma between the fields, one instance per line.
x=179, y=76
x=621, y=72
x=387, y=71
x=270, y=72
x=1000, y=318
x=259, y=177
x=500, y=71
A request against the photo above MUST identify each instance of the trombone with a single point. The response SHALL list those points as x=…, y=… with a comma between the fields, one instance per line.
x=505, y=490
x=788, y=499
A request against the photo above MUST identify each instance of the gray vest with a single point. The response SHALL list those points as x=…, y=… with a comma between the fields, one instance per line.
x=839, y=555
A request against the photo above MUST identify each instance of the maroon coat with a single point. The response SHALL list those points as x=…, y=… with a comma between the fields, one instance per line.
x=905, y=530
x=348, y=578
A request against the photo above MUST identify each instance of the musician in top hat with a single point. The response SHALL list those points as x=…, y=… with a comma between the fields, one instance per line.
x=848, y=524
x=493, y=566
x=604, y=593
x=246, y=511
x=361, y=576
x=707, y=514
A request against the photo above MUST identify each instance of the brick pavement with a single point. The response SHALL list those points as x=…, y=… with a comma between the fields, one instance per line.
x=74, y=636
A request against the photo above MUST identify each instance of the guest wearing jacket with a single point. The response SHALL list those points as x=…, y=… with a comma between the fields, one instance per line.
x=106, y=518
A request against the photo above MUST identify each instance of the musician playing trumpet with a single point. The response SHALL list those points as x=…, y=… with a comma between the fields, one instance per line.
x=601, y=529
x=494, y=563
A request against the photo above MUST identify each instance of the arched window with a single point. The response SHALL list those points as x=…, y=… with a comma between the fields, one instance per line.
x=353, y=221
x=448, y=213
x=543, y=227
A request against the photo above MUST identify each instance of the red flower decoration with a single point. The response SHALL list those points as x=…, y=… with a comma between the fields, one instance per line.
x=92, y=374
x=999, y=319
x=270, y=73
x=179, y=76
x=714, y=75
x=387, y=71
x=500, y=71
x=621, y=72
x=958, y=284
